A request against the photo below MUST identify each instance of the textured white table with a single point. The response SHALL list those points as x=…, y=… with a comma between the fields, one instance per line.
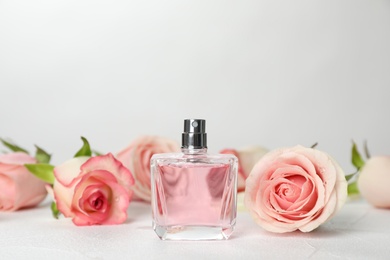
x=359, y=231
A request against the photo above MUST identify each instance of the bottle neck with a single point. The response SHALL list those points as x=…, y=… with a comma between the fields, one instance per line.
x=194, y=151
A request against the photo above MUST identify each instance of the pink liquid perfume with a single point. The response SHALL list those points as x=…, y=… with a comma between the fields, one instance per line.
x=194, y=193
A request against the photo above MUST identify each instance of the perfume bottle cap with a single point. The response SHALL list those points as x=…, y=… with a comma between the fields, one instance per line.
x=194, y=135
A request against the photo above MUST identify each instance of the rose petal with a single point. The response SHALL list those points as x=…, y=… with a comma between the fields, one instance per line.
x=109, y=163
x=303, y=161
x=17, y=158
x=69, y=170
x=7, y=194
x=321, y=216
x=92, y=196
x=325, y=168
x=63, y=196
x=336, y=200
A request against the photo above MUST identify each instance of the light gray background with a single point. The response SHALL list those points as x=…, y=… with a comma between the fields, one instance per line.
x=272, y=73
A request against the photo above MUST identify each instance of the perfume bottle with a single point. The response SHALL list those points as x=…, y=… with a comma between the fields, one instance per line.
x=194, y=193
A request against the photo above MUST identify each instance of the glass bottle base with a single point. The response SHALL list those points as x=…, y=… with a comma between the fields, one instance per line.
x=193, y=232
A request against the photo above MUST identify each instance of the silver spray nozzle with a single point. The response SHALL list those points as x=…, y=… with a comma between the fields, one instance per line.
x=194, y=135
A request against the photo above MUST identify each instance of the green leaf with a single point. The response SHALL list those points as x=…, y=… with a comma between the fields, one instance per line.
x=368, y=155
x=43, y=171
x=41, y=155
x=350, y=176
x=54, y=210
x=353, y=189
x=85, y=150
x=96, y=153
x=356, y=159
x=13, y=147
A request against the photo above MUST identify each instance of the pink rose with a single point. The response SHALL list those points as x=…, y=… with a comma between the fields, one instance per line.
x=374, y=181
x=247, y=158
x=93, y=190
x=18, y=187
x=137, y=156
x=295, y=188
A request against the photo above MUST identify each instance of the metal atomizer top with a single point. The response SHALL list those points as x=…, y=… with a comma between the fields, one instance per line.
x=194, y=135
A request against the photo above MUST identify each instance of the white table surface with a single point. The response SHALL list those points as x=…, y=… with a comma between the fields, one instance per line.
x=358, y=231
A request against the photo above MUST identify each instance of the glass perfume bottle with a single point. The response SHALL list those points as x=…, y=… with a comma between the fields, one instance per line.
x=194, y=193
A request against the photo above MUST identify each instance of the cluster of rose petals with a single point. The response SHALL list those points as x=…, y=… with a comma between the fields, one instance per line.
x=374, y=181
x=18, y=187
x=136, y=157
x=247, y=158
x=295, y=188
x=93, y=190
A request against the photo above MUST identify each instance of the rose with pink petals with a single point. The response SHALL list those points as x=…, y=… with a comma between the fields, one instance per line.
x=93, y=190
x=136, y=157
x=295, y=188
x=247, y=158
x=18, y=187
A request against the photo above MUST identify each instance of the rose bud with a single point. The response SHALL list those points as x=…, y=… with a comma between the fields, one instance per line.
x=374, y=181
x=18, y=187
